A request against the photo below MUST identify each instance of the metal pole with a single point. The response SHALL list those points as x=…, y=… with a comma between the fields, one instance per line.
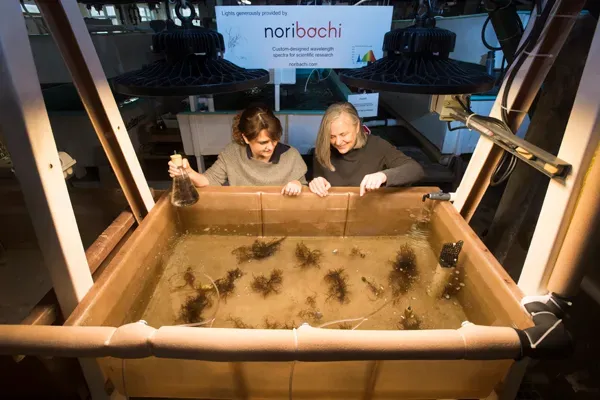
x=66, y=25
x=211, y=103
x=277, y=97
x=578, y=146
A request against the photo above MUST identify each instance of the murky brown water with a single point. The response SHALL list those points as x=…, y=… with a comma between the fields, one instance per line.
x=303, y=293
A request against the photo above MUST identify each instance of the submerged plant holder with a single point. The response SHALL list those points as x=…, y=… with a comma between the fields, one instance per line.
x=255, y=363
x=446, y=269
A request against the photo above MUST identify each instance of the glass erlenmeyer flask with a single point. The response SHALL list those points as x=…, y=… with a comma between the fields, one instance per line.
x=184, y=192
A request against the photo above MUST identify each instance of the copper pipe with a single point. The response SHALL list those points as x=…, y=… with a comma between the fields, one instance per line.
x=137, y=340
x=46, y=311
x=108, y=240
x=569, y=268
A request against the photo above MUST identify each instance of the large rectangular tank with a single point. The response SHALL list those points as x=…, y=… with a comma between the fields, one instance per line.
x=444, y=363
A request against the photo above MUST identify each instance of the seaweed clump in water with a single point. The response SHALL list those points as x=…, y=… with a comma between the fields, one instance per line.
x=194, y=306
x=337, y=279
x=239, y=323
x=269, y=324
x=357, y=252
x=289, y=325
x=258, y=250
x=266, y=286
x=404, y=270
x=226, y=285
x=345, y=326
x=189, y=279
x=409, y=320
x=307, y=257
x=311, y=313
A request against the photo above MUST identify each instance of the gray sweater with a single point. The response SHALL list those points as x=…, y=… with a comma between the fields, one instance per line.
x=236, y=166
x=377, y=155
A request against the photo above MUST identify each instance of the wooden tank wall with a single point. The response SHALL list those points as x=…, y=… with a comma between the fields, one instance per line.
x=123, y=290
x=122, y=293
x=492, y=298
x=347, y=380
x=265, y=212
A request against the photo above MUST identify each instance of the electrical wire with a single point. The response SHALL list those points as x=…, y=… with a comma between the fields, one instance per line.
x=319, y=78
x=498, y=177
x=508, y=162
x=485, y=42
x=499, y=6
x=361, y=319
x=528, y=45
x=456, y=128
x=328, y=75
x=308, y=79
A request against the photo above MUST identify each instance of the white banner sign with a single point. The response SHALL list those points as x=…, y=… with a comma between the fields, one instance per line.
x=303, y=36
x=366, y=104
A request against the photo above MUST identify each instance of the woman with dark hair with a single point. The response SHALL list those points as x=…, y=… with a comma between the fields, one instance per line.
x=345, y=155
x=255, y=157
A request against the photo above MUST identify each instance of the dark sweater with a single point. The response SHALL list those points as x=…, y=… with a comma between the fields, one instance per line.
x=375, y=156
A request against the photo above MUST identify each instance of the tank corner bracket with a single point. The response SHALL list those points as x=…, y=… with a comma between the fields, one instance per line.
x=549, y=338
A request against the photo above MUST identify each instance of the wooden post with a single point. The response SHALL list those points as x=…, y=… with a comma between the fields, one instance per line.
x=524, y=89
x=65, y=23
x=578, y=146
x=546, y=131
x=29, y=139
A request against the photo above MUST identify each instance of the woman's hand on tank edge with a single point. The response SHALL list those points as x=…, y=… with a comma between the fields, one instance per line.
x=372, y=182
x=319, y=186
x=293, y=188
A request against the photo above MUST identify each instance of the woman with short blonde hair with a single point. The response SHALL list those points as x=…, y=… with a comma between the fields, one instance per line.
x=346, y=155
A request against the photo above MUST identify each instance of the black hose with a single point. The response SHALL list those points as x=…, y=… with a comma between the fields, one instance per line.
x=457, y=128
x=485, y=42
